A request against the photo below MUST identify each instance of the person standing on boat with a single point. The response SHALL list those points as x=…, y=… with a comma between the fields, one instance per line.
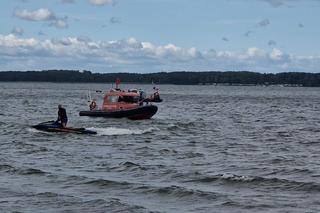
x=93, y=105
x=62, y=116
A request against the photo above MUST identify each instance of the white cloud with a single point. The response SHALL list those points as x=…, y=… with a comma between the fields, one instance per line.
x=40, y=33
x=12, y=41
x=247, y=34
x=275, y=3
x=225, y=39
x=135, y=56
x=68, y=1
x=286, y=3
x=101, y=2
x=272, y=43
x=115, y=20
x=42, y=15
x=255, y=52
x=276, y=54
x=263, y=23
x=278, y=3
x=60, y=22
x=17, y=31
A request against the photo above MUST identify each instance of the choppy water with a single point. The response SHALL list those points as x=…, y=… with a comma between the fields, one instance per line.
x=208, y=149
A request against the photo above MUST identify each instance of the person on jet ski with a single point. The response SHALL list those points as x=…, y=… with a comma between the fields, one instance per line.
x=62, y=116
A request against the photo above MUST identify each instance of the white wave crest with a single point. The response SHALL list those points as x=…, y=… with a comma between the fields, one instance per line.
x=237, y=177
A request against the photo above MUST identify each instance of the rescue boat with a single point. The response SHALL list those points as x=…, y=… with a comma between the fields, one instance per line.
x=119, y=103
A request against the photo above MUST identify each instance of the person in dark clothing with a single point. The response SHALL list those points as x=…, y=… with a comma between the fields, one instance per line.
x=62, y=116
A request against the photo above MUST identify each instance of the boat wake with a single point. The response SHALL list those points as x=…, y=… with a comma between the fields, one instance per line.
x=33, y=130
x=109, y=131
x=120, y=131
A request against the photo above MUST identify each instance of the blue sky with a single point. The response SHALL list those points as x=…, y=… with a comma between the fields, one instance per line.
x=160, y=35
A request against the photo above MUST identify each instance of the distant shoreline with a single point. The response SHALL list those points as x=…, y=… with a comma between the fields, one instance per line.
x=227, y=78
x=213, y=84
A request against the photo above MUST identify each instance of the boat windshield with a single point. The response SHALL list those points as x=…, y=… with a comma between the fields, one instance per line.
x=113, y=99
x=129, y=99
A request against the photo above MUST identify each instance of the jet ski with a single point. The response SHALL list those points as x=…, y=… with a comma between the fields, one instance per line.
x=155, y=99
x=53, y=126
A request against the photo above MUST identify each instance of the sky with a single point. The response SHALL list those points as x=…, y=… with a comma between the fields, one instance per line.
x=160, y=35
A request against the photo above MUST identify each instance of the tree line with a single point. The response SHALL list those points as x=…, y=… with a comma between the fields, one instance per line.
x=180, y=78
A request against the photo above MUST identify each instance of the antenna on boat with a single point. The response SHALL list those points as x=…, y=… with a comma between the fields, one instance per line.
x=89, y=95
x=117, y=83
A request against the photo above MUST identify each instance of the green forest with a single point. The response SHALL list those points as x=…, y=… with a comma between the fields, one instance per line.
x=179, y=78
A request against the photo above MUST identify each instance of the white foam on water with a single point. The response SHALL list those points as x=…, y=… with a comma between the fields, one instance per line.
x=33, y=130
x=237, y=177
x=120, y=131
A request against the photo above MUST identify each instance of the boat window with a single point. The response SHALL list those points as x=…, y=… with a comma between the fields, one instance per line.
x=113, y=99
x=129, y=99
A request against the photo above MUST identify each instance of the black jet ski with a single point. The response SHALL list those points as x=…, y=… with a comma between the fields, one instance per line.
x=53, y=126
x=155, y=100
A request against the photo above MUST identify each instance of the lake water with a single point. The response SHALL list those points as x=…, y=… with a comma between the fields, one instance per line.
x=208, y=149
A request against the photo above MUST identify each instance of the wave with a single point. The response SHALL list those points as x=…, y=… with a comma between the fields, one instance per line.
x=5, y=167
x=31, y=171
x=20, y=171
x=189, y=155
x=173, y=190
x=120, y=131
x=256, y=181
x=106, y=183
x=25, y=102
x=112, y=205
x=181, y=125
x=130, y=166
x=48, y=194
x=179, y=192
